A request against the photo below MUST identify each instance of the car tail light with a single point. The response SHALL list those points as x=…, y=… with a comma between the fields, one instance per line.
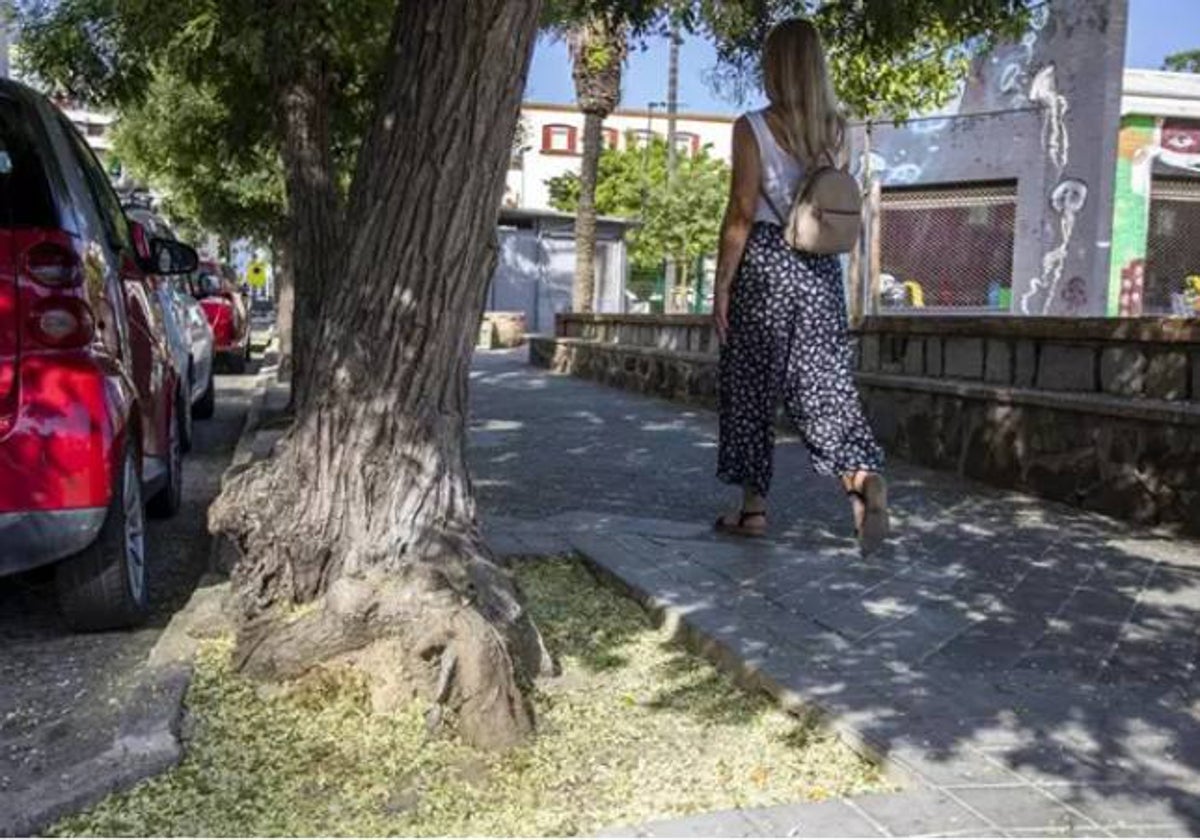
x=53, y=265
x=62, y=323
x=141, y=241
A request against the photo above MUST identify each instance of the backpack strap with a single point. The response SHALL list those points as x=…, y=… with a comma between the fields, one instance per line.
x=762, y=190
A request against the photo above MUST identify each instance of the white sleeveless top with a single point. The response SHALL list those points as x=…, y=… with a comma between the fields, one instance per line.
x=781, y=172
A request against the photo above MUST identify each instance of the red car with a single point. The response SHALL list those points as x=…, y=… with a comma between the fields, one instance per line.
x=89, y=393
x=216, y=288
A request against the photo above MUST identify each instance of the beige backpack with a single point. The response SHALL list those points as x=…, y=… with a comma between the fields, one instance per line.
x=826, y=215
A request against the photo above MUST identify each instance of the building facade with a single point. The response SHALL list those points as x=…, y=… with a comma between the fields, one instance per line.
x=1056, y=183
x=1156, y=210
x=1003, y=202
x=551, y=144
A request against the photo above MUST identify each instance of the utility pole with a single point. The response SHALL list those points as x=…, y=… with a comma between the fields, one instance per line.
x=673, y=303
x=672, y=98
x=650, y=106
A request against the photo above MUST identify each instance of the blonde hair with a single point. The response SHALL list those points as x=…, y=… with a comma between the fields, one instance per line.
x=797, y=84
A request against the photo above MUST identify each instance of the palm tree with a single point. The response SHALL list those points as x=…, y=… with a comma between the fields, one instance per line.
x=598, y=48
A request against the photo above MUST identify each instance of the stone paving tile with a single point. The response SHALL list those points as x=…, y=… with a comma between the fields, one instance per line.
x=953, y=766
x=919, y=634
x=832, y=818
x=1002, y=640
x=1024, y=807
x=919, y=811
x=1127, y=808
x=719, y=824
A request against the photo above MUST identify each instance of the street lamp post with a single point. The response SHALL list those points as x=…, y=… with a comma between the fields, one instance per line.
x=650, y=106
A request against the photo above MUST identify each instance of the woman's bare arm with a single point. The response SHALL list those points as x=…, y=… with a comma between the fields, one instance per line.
x=739, y=218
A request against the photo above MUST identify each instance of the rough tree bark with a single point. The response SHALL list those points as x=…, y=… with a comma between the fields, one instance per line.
x=302, y=87
x=584, y=295
x=285, y=300
x=597, y=47
x=366, y=511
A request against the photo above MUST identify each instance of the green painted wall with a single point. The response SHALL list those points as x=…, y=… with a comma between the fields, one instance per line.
x=1131, y=214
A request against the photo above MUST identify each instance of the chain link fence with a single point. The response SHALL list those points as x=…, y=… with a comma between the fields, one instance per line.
x=1172, y=281
x=947, y=248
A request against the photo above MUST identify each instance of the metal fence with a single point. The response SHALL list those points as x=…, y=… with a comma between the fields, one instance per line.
x=946, y=248
x=1172, y=280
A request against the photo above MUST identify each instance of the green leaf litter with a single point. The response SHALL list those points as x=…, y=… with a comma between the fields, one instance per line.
x=636, y=728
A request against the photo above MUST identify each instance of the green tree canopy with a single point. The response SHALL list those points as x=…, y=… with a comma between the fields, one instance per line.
x=175, y=139
x=212, y=60
x=192, y=82
x=680, y=221
x=1183, y=62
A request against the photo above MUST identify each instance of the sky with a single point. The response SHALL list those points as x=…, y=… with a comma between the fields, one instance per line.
x=1157, y=28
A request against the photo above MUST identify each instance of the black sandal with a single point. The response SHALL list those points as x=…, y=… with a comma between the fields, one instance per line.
x=740, y=530
x=874, y=527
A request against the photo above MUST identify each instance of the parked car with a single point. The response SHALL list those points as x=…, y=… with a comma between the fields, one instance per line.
x=188, y=330
x=262, y=322
x=89, y=426
x=216, y=287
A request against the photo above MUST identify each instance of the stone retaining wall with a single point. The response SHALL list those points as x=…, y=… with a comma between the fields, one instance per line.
x=1100, y=413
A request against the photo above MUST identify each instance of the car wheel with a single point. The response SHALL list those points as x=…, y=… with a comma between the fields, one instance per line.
x=206, y=405
x=169, y=499
x=104, y=586
x=237, y=363
x=183, y=412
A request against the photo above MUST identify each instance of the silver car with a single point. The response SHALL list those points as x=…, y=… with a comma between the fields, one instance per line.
x=188, y=332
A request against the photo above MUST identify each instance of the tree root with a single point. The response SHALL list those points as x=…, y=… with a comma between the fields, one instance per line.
x=444, y=624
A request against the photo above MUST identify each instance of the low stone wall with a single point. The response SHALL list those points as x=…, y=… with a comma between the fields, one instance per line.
x=1100, y=413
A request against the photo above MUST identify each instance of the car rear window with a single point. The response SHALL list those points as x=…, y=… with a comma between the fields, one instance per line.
x=25, y=198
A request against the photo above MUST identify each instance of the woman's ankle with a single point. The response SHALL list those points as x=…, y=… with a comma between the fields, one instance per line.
x=753, y=502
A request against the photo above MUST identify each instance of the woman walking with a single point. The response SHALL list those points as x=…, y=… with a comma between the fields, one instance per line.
x=780, y=313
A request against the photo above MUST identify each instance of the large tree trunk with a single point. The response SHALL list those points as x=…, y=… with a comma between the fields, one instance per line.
x=285, y=300
x=303, y=91
x=585, y=216
x=366, y=512
x=314, y=224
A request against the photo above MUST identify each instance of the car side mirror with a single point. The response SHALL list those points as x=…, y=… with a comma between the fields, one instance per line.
x=170, y=257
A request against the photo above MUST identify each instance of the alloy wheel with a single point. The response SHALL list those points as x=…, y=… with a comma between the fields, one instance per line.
x=135, y=532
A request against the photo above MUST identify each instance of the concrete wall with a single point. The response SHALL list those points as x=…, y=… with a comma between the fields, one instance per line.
x=1097, y=412
x=535, y=274
x=1045, y=113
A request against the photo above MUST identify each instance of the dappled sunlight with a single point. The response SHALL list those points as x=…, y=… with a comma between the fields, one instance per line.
x=1000, y=640
x=496, y=426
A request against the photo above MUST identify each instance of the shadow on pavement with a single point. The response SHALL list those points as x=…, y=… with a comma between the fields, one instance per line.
x=1003, y=644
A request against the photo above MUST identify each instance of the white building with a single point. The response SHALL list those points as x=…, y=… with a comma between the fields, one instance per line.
x=554, y=142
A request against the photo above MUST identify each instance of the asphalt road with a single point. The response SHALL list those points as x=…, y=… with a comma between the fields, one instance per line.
x=60, y=692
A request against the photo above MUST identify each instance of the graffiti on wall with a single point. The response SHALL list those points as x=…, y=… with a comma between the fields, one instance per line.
x=1022, y=91
x=1067, y=199
x=1145, y=143
x=1056, y=140
x=999, y=83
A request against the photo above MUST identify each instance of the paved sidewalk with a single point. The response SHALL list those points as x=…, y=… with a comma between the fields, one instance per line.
x=1030, y=668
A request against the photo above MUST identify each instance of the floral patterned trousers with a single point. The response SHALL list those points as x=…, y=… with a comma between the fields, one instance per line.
x=789, y=340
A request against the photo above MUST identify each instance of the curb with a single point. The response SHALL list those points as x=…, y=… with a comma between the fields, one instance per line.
x=753, y=678
x=147, y=743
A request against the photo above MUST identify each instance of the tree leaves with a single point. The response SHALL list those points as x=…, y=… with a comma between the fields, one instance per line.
x=1183, y=62
x=680, y=221
x=191, y=79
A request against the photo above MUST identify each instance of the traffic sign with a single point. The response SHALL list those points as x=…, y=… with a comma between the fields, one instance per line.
x=256, y=274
